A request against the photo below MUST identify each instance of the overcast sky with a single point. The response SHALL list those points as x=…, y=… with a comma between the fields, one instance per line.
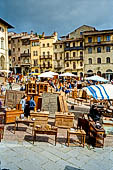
x=62, y=16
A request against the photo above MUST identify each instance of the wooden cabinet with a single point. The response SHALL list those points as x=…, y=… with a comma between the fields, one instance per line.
x=41, y=118
x=11, y=115
x=64, y=120
x=97, y=134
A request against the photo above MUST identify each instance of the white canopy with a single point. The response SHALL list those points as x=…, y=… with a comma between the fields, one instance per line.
x=67, y=74
x=46, y=75
x=52, y=73
x=101, y=91
x=97, y=78
x=5, y=71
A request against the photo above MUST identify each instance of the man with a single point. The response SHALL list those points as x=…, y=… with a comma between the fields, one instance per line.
x=32, y=104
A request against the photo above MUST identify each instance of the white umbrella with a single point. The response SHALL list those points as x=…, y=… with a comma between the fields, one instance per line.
x=67, y=74
x=53, y=73
x=5, y=71
x=46, y=75
x=97, y=78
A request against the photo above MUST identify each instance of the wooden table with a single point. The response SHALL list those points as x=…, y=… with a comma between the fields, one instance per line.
x=24, y=121
x=81, y=133
x=52, y=131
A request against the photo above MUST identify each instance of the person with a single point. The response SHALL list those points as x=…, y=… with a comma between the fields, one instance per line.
x=23, y=102
x=32, y=104
x=10, y=85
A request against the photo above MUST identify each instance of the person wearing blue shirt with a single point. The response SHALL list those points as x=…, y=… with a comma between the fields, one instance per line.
x=32, y=104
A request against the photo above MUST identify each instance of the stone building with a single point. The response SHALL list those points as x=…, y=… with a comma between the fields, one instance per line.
x=98, y=53
x=4, y=59
x=58, y=58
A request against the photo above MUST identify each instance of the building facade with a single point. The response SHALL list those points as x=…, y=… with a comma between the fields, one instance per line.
x=98, y=53
x=4, y=59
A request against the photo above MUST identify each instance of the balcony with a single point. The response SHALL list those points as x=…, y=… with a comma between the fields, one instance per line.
x=102, y=43
x=73, y=48
x=25, y=63
x=35, y=65
x=57, y=66
x=45, y=57
x=25, y=54
x=73, y=58
x=46, y=66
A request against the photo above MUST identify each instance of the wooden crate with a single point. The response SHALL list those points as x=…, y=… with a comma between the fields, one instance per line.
x=12, y=114
x=64, y=120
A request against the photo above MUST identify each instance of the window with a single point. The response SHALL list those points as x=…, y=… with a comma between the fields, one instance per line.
x=9, y=42
x=74, y=44
x=99, y=50
x=36, y=52
x=18, y=58
x=18, y=40
x=48, y=64
x=67, y=64
x=47, y=44
x=74, y=65
x=43, y=45
x=60, y=46
x=90, y=60
x=81, y=64
x=99, y=39
x=35, y=62
x=43, y=53
x=89, y=50
x=81, y=44
x=55, y=56
x=67, y=44
x=33, y=53
x=33, y=44
x=48, y=53
x=2, y=43
x=13, y=58
x=81, y=33
x=108, y=60
x=13, y=49
x=60, y=56
x=89, y=39
x=98, y=60
x=1, y=29
x=67, y=55
x=55, y=46
x=74, y=54
x=108, y=49
x=108, y=38
x=18, y=49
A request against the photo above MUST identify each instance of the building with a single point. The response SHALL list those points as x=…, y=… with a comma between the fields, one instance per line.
x=4, y=59
x=98, y=53
x=72, y=51
x=20, y=52
x=35, y=54
x=46, y=52
x=58, y=58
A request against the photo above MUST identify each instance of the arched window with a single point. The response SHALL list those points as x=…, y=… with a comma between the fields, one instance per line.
x=48, y=64
x=48, y=53
x=108, y=60
x=99, y=73
x=2, y=62
x=47, y=44
x=67, y=64
x=98, y=60
x=90, y=60
x=2, y=43
x=74, y=65
x=99, y=50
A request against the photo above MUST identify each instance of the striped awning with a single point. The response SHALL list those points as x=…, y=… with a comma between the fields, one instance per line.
x=101, y=91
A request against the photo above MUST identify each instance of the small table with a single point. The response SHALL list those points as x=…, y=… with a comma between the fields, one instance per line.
x=77, y=132
x=52, y=131
x=17, y=121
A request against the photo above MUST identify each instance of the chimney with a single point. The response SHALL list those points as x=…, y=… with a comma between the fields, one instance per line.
x=43, y=34
x=25, y=33
x=55, y=33
x=31, y=32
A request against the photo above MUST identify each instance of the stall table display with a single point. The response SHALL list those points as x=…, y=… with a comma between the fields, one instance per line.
x=76, y=132
x=12, y=114
x=65, y=120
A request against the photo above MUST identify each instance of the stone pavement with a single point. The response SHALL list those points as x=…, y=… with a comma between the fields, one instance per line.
x=17, y=152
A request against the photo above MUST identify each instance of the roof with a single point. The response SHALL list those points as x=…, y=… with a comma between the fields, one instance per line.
x=5, y=23
x=109, y=31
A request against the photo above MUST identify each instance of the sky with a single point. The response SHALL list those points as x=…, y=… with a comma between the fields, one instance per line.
x=62, y=16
